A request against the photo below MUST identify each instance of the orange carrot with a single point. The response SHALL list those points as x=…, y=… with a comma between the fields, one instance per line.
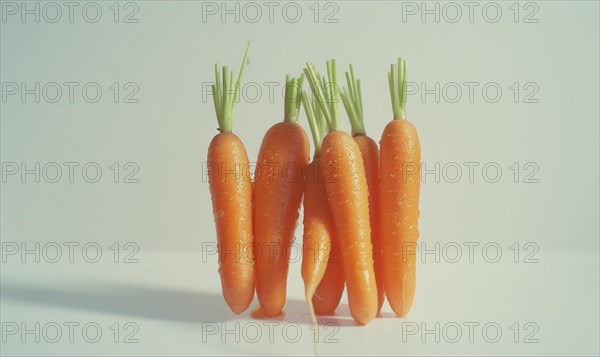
x=352, y=99
x=231, y=197
x=322, y=295
x=348, y=197
x=318, y=229
x=282, y=159
x=399, y=197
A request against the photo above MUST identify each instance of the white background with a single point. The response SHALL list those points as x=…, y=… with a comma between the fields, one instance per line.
x=171, y=296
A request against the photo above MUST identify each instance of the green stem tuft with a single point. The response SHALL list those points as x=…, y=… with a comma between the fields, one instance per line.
x=225, y=95
x=315, y=121
x=293, y=98
x=352, y=99
x=397, y=78
x=326, y=93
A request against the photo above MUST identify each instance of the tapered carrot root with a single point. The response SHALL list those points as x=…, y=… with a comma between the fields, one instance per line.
x=318, y=230
x=370, y=154
x=348, y=198
x=232, y=208
x=399, y=198
x=278, y=190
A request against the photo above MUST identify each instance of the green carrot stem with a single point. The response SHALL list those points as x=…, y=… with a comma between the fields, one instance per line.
x=315, y=121
x=352, y=99
x=293, y=98
x=397, y=78
x=225, y=95
x=326, y=93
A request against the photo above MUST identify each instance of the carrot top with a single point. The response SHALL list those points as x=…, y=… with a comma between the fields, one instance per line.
x=326, y=93
x=293, y=97
x=315, y=121
x=225, y=95
x=397, y=79
x=352, y=99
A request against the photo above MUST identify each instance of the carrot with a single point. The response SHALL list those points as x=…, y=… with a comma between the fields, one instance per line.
x=231, y=196
x=399, y=197
x=348, y=198
x=322, y=295
x=328, y=293
x=352, y=99
x=282, y=159
x=318, y=222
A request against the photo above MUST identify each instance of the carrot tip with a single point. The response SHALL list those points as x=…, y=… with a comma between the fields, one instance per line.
x=237, y=309
x=259, y=313
x=402, y=312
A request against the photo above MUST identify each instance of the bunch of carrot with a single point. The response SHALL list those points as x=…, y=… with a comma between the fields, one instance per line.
x=360, y=201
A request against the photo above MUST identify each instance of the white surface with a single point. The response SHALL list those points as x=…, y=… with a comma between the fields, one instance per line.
x=174, y=299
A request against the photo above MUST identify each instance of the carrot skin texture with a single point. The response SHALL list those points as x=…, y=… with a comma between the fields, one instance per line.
x=370, y=154
x=232, y=209
x=348, y=197
x=318, y=229
x=278, y=189
x=399, y=199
